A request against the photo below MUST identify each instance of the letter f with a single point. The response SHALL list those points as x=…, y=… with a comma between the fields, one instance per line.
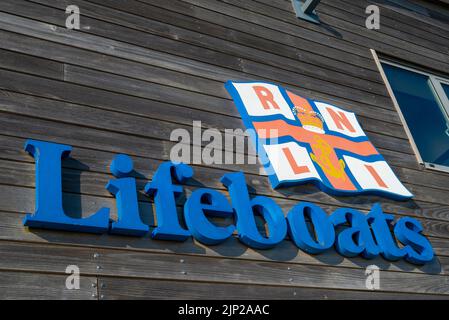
x=165, y=194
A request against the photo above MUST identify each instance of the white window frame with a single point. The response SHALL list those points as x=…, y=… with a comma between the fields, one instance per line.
x=441, y=98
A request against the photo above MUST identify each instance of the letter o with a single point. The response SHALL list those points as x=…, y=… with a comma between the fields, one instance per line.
x=299, y=232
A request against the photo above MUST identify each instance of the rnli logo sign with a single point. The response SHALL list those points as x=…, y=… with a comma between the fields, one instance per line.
x=301, y=140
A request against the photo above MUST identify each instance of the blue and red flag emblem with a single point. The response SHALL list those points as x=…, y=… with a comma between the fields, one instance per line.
x=302, y=140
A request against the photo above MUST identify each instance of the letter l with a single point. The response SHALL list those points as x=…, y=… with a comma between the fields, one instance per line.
x=49, y=209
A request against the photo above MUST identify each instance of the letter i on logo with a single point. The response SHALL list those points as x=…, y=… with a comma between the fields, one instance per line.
x=376, y=176
x=125, y=191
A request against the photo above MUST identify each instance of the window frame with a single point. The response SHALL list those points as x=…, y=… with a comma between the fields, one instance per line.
x=435, y=84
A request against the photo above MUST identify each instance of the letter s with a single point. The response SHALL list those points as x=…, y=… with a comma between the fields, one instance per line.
x=419, y=249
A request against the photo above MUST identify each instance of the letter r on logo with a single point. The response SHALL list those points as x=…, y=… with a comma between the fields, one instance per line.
x=266, y=97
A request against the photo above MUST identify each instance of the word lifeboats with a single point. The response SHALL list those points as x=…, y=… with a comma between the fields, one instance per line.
x=350, y=231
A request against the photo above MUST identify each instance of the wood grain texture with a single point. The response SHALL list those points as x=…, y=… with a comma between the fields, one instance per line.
x=137, y=70
x=286, y=252
x=119, y=143
x=16, y=24
x=175, y=290
x=41, y=286
x=149, y=265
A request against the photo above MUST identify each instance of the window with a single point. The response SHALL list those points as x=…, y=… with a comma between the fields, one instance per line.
x=423, y=102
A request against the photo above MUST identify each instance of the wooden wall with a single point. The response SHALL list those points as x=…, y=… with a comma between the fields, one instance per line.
x=138, y=69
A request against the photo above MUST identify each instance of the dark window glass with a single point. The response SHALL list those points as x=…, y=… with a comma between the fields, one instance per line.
x=423, y=113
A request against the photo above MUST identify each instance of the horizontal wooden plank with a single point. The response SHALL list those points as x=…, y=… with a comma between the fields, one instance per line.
x=122, y=86
x=439, y=245
x=394, y=25
x=399, y=44
x=12, y=150
x=336, y=29
x=98, y=161
x=139, y=69
x=222, y=270
x=142, y=72
x=135, y=53
x=17, y=199
x=390, y=18
x=232, y=15
x=164, y=289
x=38, y=258
x=113, y=142
x=32, y=65
x=94, y=195
x=140, y=89
x=229, y=22
x=23, y=49
x=217, y=19
x=12, y=147
x=357, y=34
x=159, y=148
x=248, y=55
x=354, y=13
x=417, y=17
x=286, y=252
x=11, y=64
x=87, y=183
x=415, y=14
x=209, y=177
x=34, y=86
x=41, y=286
x=81, y=180
x=19, y=284
x=284, y=76
x=28, y=84
x=107, y=46
x=150, y=265
x=42, y=258
x=170, y=13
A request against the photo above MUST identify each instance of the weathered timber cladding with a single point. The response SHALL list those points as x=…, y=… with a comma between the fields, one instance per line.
x=139, y=69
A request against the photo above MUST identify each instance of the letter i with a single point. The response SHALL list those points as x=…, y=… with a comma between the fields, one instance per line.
x=125, y=191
